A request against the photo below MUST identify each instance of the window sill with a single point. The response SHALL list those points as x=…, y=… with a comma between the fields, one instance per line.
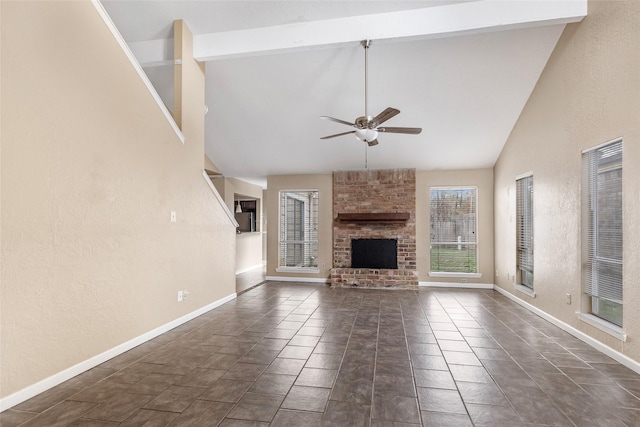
x=603, y=325
x=459, y=275
x=525, y=290
x=303, y=270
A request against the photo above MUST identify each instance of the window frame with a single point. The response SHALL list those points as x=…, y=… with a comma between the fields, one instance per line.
x=293, y=193
x=455, y=274
x=591, y=260
x=525, y=233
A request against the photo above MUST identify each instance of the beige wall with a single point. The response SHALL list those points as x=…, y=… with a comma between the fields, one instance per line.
x=589, y=93
x=482, y=179
x=90, y=172
x=249, y=246
x=322, y=183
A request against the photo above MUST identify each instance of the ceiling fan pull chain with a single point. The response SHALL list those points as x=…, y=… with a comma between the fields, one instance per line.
x=366, y=156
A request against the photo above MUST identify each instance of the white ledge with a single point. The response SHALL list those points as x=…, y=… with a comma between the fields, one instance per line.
x=303, y=270
x=455, y=275
x=525, y=290
x=459, y=285
x=603, y=325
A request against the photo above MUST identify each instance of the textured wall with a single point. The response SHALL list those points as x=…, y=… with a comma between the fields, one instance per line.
x=589, y=93
x=322, y=183
x=90, y=172
x=482, y=179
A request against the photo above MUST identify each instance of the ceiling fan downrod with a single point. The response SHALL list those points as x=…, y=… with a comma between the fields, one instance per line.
x=368, y=127
x=366, y=44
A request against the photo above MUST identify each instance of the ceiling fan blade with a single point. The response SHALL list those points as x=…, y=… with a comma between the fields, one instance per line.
x=384, y=116
x=372, y=143
x=338, y=134
x=333, y=119
x=412, y=131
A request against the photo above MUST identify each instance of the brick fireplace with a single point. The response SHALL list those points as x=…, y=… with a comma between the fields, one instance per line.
x=374, y=204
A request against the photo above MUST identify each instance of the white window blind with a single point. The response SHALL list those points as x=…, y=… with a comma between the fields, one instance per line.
x=524, y=231
x=453, y=230
x=602, y=266
x=299, y=229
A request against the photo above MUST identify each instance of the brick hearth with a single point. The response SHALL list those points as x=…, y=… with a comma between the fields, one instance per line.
x=374, y=192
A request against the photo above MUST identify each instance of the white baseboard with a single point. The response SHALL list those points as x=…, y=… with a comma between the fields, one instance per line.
x=56, y=379
x=456, y=285
x=612, y=353
x=297, y=279
x=253, y=267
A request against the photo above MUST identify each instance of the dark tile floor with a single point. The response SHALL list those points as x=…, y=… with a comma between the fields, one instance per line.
x=285, y=354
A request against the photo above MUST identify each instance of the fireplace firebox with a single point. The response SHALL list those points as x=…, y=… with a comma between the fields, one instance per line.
x=374, y=253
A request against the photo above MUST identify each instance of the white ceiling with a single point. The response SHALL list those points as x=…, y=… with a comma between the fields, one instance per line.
x=462, y=71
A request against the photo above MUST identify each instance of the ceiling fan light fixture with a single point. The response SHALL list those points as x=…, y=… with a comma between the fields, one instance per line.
x=366, y=135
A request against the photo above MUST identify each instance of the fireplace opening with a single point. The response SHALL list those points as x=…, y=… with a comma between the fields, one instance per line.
x=374, y=253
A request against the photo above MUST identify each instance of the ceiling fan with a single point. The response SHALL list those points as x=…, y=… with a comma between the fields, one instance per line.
x=368, y=127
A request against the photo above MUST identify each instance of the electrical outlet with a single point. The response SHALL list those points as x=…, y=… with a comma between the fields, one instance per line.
x=173, y=216
x=180, y=296
x=185, y=294
x=568, y=299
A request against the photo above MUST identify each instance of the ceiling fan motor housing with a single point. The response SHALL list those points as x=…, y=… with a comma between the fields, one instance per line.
x=365, y=122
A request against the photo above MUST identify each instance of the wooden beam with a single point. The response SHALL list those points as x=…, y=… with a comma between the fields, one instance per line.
x=431, y=22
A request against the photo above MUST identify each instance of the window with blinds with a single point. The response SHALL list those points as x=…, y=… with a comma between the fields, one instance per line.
x=299, y=229
x=524, y=229
x=602, y=252
x=453, y=230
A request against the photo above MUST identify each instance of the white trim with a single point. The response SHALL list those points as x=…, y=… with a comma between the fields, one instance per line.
x=297, y=279
x=254, y=267
x=427, y=22
x=136, y=65
x=603, y=325
x=604, y=144
x=455, y=187
x=524, y=290
x=524, y=175
x=456, y=285
x=300, y=270
x=614, y=354
x=455, y=275
x=56, y=379
x=219, y=197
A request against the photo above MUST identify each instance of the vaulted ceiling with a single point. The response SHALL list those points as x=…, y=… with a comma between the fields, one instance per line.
x=460, y=70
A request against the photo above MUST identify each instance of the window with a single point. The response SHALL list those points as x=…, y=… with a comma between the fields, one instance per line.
x=524, y=230
x=602, y=251
x=453, y=230
x=299, y=229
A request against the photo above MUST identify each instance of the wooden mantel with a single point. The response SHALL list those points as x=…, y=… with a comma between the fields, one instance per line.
x=373, y=217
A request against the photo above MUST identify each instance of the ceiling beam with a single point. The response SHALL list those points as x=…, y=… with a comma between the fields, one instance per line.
x=432, y=22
